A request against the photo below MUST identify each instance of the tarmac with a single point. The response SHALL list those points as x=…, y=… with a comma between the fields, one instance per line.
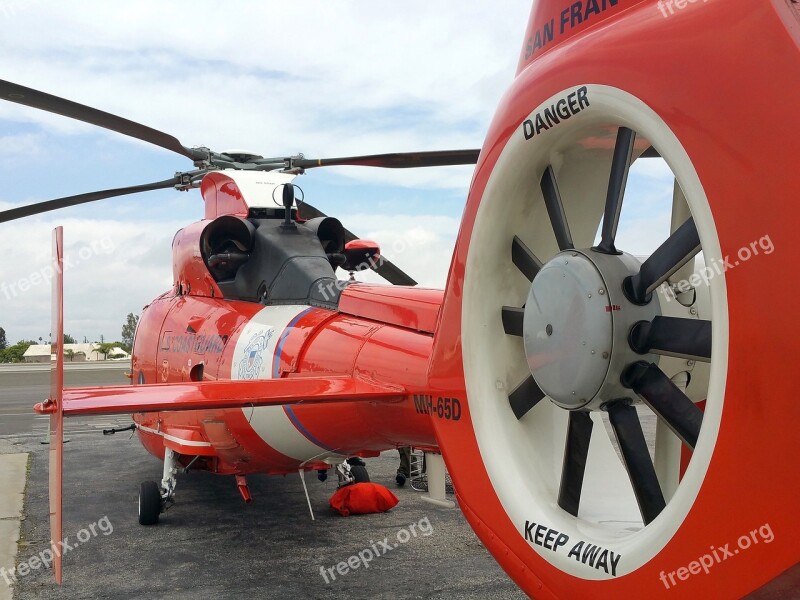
x=211, y=544
x=12, y=493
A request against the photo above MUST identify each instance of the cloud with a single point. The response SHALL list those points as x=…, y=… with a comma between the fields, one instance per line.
x=109, y=272
x=323, y=79
x=21, y=147
x=421, y=245
x=326, y=79
x=112, y=269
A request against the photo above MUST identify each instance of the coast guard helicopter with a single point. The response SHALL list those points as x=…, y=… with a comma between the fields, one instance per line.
x=530, y=371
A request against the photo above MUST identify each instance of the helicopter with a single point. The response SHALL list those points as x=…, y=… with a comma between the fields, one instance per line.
x=261, y=360
x=259, y=265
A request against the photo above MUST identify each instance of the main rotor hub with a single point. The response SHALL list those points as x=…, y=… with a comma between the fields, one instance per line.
x=575, y=328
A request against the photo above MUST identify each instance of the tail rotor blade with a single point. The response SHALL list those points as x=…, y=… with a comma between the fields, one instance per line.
x=576, y=453
x=555, y=209
x=672, y=336
x=635, y=455
x=524, y=397
x=620, y=165
x=524, y=259
x=676, y=251
x=666, y=400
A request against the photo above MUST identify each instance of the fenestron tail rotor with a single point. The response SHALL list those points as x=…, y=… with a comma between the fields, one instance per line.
x=635, y=380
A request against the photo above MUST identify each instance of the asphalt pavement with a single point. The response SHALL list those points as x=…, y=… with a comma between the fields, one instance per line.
x=211, y=544
x=23, y=385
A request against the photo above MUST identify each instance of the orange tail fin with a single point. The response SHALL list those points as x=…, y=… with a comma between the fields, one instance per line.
x=54, y=404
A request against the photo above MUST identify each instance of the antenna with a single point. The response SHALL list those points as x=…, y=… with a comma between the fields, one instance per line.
x=288, y=202
x=305, y=489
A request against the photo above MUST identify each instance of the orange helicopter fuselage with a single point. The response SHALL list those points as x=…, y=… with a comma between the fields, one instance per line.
x=193, y=333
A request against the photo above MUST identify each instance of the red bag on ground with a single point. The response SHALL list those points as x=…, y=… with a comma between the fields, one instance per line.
x=363, y=498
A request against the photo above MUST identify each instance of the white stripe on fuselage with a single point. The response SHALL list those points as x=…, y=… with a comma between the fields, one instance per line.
x=173, y=438
x=253, y=358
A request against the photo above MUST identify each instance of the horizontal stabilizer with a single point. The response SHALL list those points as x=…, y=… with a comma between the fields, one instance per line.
x=200, y=395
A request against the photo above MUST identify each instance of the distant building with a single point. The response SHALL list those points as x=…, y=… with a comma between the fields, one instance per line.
x=37, y=353
x=40, y=353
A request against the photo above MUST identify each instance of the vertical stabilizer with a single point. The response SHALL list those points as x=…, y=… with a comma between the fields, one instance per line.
x=56, y=394
x=54, y=404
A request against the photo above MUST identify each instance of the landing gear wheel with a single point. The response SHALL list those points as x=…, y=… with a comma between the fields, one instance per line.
x=149, y=503
x=359, y=473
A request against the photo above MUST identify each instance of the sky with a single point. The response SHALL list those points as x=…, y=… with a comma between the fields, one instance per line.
x=322, y=78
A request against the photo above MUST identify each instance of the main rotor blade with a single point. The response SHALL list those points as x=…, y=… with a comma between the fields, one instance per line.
x=555, y=209
x=42, y=207
x=620, y=165
x=632, y=445
x=385, y=268
x=665, y=398
x=396, y=160
x=579, y=434
x=670, y=256
x=671, y=336
x=67, y=108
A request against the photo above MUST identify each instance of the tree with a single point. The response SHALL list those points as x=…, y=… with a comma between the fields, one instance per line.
x=15, y=353
x=3, y=342
x=105, y=348
x=69, y=354
x=68, y=339
x=128, y=331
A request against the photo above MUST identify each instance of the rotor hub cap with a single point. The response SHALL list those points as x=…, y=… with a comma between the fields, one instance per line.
x=575, y=328
x=568, y=330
